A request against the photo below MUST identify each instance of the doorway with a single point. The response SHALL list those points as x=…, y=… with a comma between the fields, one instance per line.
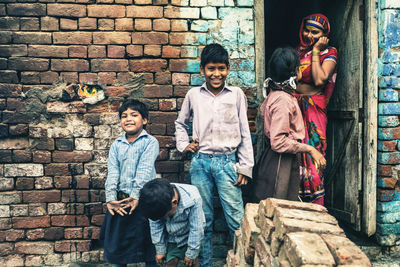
x=349, y=178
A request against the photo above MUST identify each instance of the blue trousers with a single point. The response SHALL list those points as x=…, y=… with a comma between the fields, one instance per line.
x=216, y=171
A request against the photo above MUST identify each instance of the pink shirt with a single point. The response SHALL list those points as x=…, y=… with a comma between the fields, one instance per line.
x=283, y=122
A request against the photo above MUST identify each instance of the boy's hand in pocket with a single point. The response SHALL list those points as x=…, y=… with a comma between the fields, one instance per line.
x=242, y=180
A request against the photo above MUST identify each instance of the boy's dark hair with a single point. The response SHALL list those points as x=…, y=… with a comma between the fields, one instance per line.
x=283, y=64
x=214, y=53
x=155, y=198
x=135, y=105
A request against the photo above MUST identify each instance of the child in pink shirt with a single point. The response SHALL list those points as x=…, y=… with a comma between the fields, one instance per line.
x=277, y=172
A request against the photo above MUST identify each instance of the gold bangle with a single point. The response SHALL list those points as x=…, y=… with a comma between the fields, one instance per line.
x=315, y=61
x=315, y=53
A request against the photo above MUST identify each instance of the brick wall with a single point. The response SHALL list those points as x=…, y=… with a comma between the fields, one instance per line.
x=388, y=215
x=53, y=153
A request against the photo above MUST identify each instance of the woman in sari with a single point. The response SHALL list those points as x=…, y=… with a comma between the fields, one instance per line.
x=318, y=67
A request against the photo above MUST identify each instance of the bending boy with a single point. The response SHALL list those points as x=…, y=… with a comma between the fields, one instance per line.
x=176, y=220
x=221, y=142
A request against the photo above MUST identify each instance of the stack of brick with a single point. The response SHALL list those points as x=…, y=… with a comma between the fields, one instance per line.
x=388, y=192
x=53, y=154
x=286, y=233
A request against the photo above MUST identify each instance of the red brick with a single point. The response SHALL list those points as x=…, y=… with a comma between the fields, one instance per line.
x=72, y=37
x=252, y=113
x=53, y=233
x=171, y=52
x=87, y=23
x=57, y=169
x=31, y=222
x=18, y=130
x=14, y=235
x=116, y=51
x=147, y=65
x=73, y=233
x=9, y=23
x=69, y=77
x=77, y=51
x=49, y=24
x=66, y=10
x=7, y=89
x=180, y=65
x=111, y=37
x=68, y=24
x=388, y=145
x=34, y=247
x=162, y=25
x=43, y=196
x=385, y=195
x=74, y=156
x=8, y=76
x=143, y=2
x=24, y=183
x=157, y=91
x=88, y=78
x=30, y=77
x=69, y=65
x=42, y=144
x=91, y=232
x=47, y=51
x=106, y=11
x=124, y=24
x=97, y=219
x=26, y=9
x=75, y=196
x=163, y=78
x=160, y=2
x=114, y=91
x=179, y=38
x=109, y=65
x=152, y=50
x=48, y=77
x=169, y=166
x=20, y=156
x=94, y=208
x=99, y=107
x=41, y=156
x=166, y=141
x=107, y=78
x=29, y=24
x=180, y=79
x=163, y=117
x=179, y=25
x=44, y=183
x=6, y=249
x=37, y=209
x=384, y=170
x=35, y=234
x=13, y=50
x=5, y=223
x=31, y=38
x=6, y=184
x=72, y=245
x=96, y=51
x=15, y=104
x=34, y=64
x=2, y=236
x=63, y=220
x=167, y=104
x=105, y=24
x=82, y=220
x=134, y=50
x=144, y=11
x=143, y=24
x=149, y=38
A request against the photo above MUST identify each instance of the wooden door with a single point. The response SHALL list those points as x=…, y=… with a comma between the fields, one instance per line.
x=343, y=176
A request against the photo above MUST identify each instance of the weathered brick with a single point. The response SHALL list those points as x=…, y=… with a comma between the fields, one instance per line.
x=44, y=183
x=171, y=52
x=388, y=157
x=5, y=37
x=20, y=156
x=26, y=9
x=144, y=11
x=72, y=245
x=13, y=50
x=189, y=51
x=134, y=50
x=5, y=223
x=157, y=91
x=96, y=51
x=49, y=24
x=31, y=38
x=40, y=248
x=77, y=51
x=109, y=64
x=66, y=10
x=106, y=11
x=5, y=156
x=31, y=222
x=6, y=249
x=107, y=78
x=250, y=231
x=91, y=232
x=179, y=38
x=263, y=252
x=73, y=233
x=37, y=132
x=7, y=89
x=42, y=143
x=22, y=63
x=88, y=78
x=111, y=38
x=105, y=24
x=182, y=12
x=272, y=203
x=72, y=37
x=6, y=184
x=167, y=104
x=61, y=169
x=37, y=209
x=14, y=143
x=44, y=196
x=147, y=65
x=13, y=170
x=116, y=51
x=87, y=23
x=187, y=65
x=69, y=65
x=162, y=25
x=163, y=78
x=75, y=196
x=68, y=24
x=149, y=38
x=299, y=214
x=180, y=79
x=19, y=210
x=97, y=219
x=30, y=77
x=14, y=235
x=18, y=130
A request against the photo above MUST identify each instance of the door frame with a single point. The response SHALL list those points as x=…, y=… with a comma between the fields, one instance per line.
x=370, y=103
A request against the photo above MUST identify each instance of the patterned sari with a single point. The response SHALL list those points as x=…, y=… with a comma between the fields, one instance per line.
x=313, y=109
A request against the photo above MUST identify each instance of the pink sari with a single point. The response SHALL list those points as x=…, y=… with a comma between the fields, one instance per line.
x=314, y=115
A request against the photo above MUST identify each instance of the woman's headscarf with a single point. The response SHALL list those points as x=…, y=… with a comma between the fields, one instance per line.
x=318, y=21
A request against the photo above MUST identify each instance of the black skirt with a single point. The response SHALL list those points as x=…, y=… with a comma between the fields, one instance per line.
x=126, y=239
x=276, y=175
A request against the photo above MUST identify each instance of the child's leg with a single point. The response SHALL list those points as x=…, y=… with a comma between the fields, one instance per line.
x=201, y=177
x=230, y=195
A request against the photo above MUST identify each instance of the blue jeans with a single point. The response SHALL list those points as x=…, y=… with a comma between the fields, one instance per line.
x=210, y=171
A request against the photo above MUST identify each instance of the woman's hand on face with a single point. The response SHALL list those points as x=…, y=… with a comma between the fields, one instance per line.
x=319, y=159
x=322, y=43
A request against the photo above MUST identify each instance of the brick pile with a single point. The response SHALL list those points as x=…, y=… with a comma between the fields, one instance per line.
x=53, y=154
x=388, y=188
x=286, y=233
